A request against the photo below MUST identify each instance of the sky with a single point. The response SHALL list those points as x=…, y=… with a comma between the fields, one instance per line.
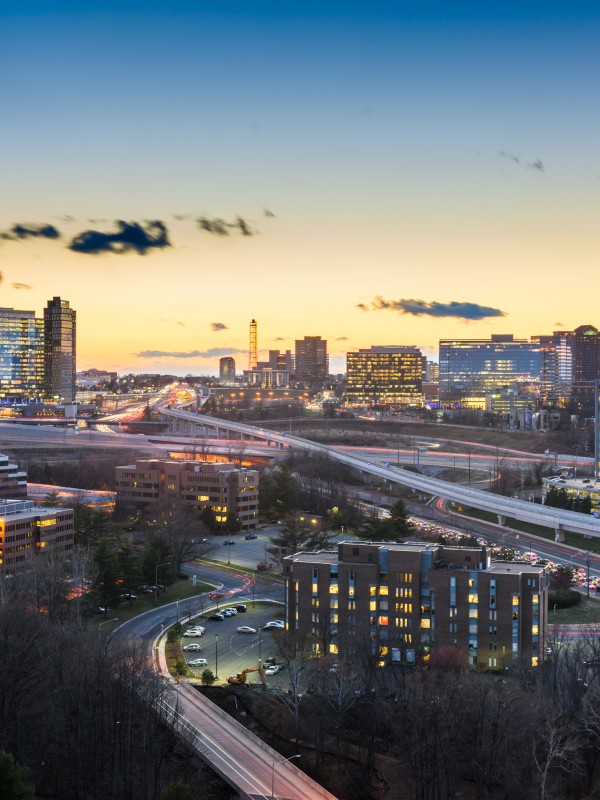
x=386, y=173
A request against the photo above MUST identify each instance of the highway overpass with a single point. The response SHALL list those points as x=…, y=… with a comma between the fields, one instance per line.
x=504, y=507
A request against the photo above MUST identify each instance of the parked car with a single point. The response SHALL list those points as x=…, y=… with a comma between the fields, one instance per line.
x=217, y=617
x=193, y=632
x=198, y=662
x=274, y=624
x=250, y=536
x=273, y=670
x=193, y=646
x=246, y=629
x=229, y=541
x=128, y=596
x=241, y=608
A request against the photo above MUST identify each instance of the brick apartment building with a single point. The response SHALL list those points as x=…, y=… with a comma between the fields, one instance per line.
x=409, y=599
x=26, y=532
x=224, y=488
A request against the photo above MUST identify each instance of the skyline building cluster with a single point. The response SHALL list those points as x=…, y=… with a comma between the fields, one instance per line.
x=38, y=355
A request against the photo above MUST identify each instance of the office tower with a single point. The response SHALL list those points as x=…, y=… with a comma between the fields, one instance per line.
x=312, y=361
x=28, y=533
x=389, y=375
x=59, y=350
x=224, y=488
x=402, y=601
x=227, y=370
x=253, y=350
x=470, y=369
x=13, y=482
x=21, y=355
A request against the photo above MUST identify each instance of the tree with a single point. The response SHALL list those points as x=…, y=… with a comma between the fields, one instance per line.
x=207, y=677
x=178, y=791
x=105, y=587
x=560, y=579
x=158, y=552
x=180, y=530
x=13, y=779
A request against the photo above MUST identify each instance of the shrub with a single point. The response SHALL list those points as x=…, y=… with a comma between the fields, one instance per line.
x=566, y=600
x=207, y=677
x=181, y=667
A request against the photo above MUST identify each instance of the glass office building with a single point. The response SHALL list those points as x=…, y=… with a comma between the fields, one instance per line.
x=21, y=355
x=387, y=375
x=470, y=369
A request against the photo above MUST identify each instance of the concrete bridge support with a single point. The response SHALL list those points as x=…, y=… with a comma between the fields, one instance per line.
x=559, y=532
x=501, y=519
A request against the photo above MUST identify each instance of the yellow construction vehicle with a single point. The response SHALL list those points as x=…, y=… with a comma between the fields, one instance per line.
x=240, y=678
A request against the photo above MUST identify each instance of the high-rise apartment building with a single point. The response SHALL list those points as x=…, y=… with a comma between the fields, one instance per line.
x=311, y=361
x=59, y=350
x=21, y=355
x=390, y=375
x=227, y=370
x=470, y=369
x=402, y=601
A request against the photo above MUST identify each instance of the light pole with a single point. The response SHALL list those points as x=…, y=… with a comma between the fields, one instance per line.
x=276, y=764
x=164, y=564
x=106, y=621
x=587, y=562
x=259, y=644
x=216, y=656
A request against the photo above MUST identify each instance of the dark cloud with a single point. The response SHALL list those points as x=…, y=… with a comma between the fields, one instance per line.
x=181, y=217
x=279, y=339
x=268, y=213
x=21, y=286
x=221, y=227
x=419, y=308
x=342, y=339
x=25, y=230
x=218, y=326
x=218, y=226
x=362, y=307
x=129, y=237
x=211, y=353
x=538, y=164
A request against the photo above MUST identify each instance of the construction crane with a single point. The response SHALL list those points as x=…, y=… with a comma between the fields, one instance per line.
x=240, y=678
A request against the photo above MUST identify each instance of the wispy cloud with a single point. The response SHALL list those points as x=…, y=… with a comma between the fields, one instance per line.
x=538, y=164
x=21, y=286
x=221, y=227
x=342, y=339
x=362, y=306
x=218, y=326
x=26, y=230
x=268, y=213
x=130, y=237
x=210, y=353
x=420, y=308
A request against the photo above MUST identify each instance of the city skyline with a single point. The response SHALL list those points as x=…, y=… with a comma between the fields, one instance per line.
x=374, y=177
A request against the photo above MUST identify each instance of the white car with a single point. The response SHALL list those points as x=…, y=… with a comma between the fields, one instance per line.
x=194, y=632
x=198, y=662
x=274, y=624
x=246, y=629
x=272, y=670
x=192, y=646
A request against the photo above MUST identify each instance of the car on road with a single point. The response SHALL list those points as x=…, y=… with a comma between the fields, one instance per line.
x=198, y=662
x=193, y=646
x=274, y=624
x=217, y=617
x=246, y=629
x=229, y=541
x=250, y=536
x=216, y=595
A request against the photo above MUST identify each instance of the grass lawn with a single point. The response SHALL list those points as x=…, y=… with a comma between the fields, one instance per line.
x=586, y=613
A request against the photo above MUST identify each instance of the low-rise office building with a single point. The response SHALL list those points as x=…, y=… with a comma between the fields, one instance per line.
x=404, y=600
x=27, y=532
x=224, y=488
x=13, y=482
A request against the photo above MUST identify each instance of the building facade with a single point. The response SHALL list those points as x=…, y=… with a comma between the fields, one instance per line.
x=223, y=488
x=227, y=370
x=13, y=482
x=311, y=362
x=21, y=356
x=59, y=350
x=402, y=601
x=385, y=376
x=470, y=369
x=27, y=532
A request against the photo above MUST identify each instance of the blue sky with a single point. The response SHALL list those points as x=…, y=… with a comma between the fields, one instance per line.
x=441, y=152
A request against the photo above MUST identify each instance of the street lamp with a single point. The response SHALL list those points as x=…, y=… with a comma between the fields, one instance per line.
x=164, y=564
x=216, y=656
x=259, y=644
x=276, y=764
x=106, y=621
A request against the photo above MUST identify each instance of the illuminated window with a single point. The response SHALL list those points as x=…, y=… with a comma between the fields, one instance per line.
x=333, y=588
x=472, y=613
x=373, y=605
x=333, y=648
x=315, y=588
x=383, y=620
x=473, y=598
x=515, y=600
x=372, y=590
x=535, y=629
x=535, y=661
x=425, y=623
x=383, y=591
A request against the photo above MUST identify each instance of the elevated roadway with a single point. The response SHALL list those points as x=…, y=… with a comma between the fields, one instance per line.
x=504, y=507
